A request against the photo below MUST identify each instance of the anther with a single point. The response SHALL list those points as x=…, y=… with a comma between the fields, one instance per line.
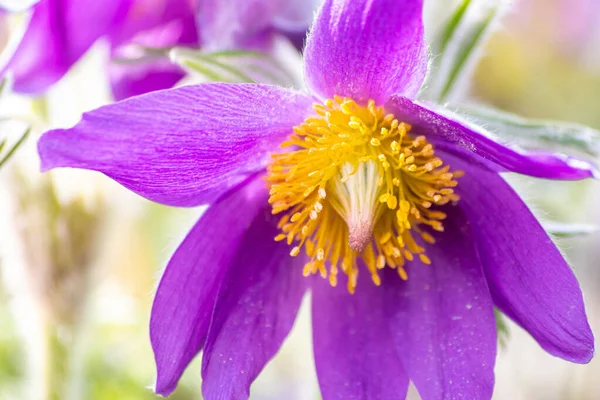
x=355, y=183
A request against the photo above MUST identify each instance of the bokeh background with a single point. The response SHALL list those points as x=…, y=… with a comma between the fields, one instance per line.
x=87, y=323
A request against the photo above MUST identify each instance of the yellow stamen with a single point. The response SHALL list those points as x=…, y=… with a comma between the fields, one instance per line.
x=356, y=183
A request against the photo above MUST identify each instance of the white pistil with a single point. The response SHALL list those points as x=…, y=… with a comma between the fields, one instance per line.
x=356, y=192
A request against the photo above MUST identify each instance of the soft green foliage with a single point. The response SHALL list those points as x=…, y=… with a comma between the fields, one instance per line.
x=566, y=137
x=6, y=154
x=12, y=368
x=231, y=65
x=4, y=157
x=118, y=368
x=458, y=45
x=448, y=31
x=564, y=230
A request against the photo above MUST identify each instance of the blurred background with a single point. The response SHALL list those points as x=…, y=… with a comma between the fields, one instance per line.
x=85, y=322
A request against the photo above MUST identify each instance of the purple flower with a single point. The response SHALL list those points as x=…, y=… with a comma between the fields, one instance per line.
x=364, y=188
x=253, y=24
x=153, y=24
x=61, y=31
x=579, y=20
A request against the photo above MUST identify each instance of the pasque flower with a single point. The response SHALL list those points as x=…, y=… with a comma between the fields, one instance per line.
x=397, y=204
x=61, y=31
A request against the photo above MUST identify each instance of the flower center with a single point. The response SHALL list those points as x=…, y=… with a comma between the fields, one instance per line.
x=355, y=183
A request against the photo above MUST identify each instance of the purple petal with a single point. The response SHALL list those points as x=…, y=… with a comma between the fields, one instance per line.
x=293, y=19
x=164, y=24
x=442, y=317
x=450, y=133
x=297, y=39
x=184, y=146
x=129, y=80
x=146, y=15
x=295, y=15
x=529, y=279
x=236, y=24
x=186, y=296
x=256, y=308
x=366, y=49
x=58, y=34
x=354, y=350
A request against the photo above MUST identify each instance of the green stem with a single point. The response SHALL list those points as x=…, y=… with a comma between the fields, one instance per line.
x=57, y=364
x=60, y=360
x=452, y=24
x=466, y=52
x=12, y=151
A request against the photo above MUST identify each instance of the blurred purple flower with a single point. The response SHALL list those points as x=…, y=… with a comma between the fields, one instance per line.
x=153, y=24
x=571, y=26
x=578, y=21
x=253, y=24
x=61, y=31
x=366, y=183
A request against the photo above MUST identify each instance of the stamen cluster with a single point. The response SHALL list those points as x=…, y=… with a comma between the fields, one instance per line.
x=356, y=183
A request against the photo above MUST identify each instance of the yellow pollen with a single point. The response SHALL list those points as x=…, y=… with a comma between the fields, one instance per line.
x=354, y=182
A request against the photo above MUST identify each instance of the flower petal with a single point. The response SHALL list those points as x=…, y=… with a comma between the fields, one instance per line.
x=129, y=80
x=255, y=310
x=449, y=132
x=58, y=34
x=295, y=15
x=146, y=15
x=354, y=351
x=366, y=49
x=442, y=317
x=529, y=279
x=236, y=24
x=170, y=23
x=184, y=146
x=293, y=19
x=187, y=292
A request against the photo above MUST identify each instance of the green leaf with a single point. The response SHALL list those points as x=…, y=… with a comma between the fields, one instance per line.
x=565, y=137
x=237, y=53
x=10, y=153
x=208, y=65
x=449, y=29
x=564, y=230
x=458, y=45
x=231, y=65
x=202, y=69
x=501, y=327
